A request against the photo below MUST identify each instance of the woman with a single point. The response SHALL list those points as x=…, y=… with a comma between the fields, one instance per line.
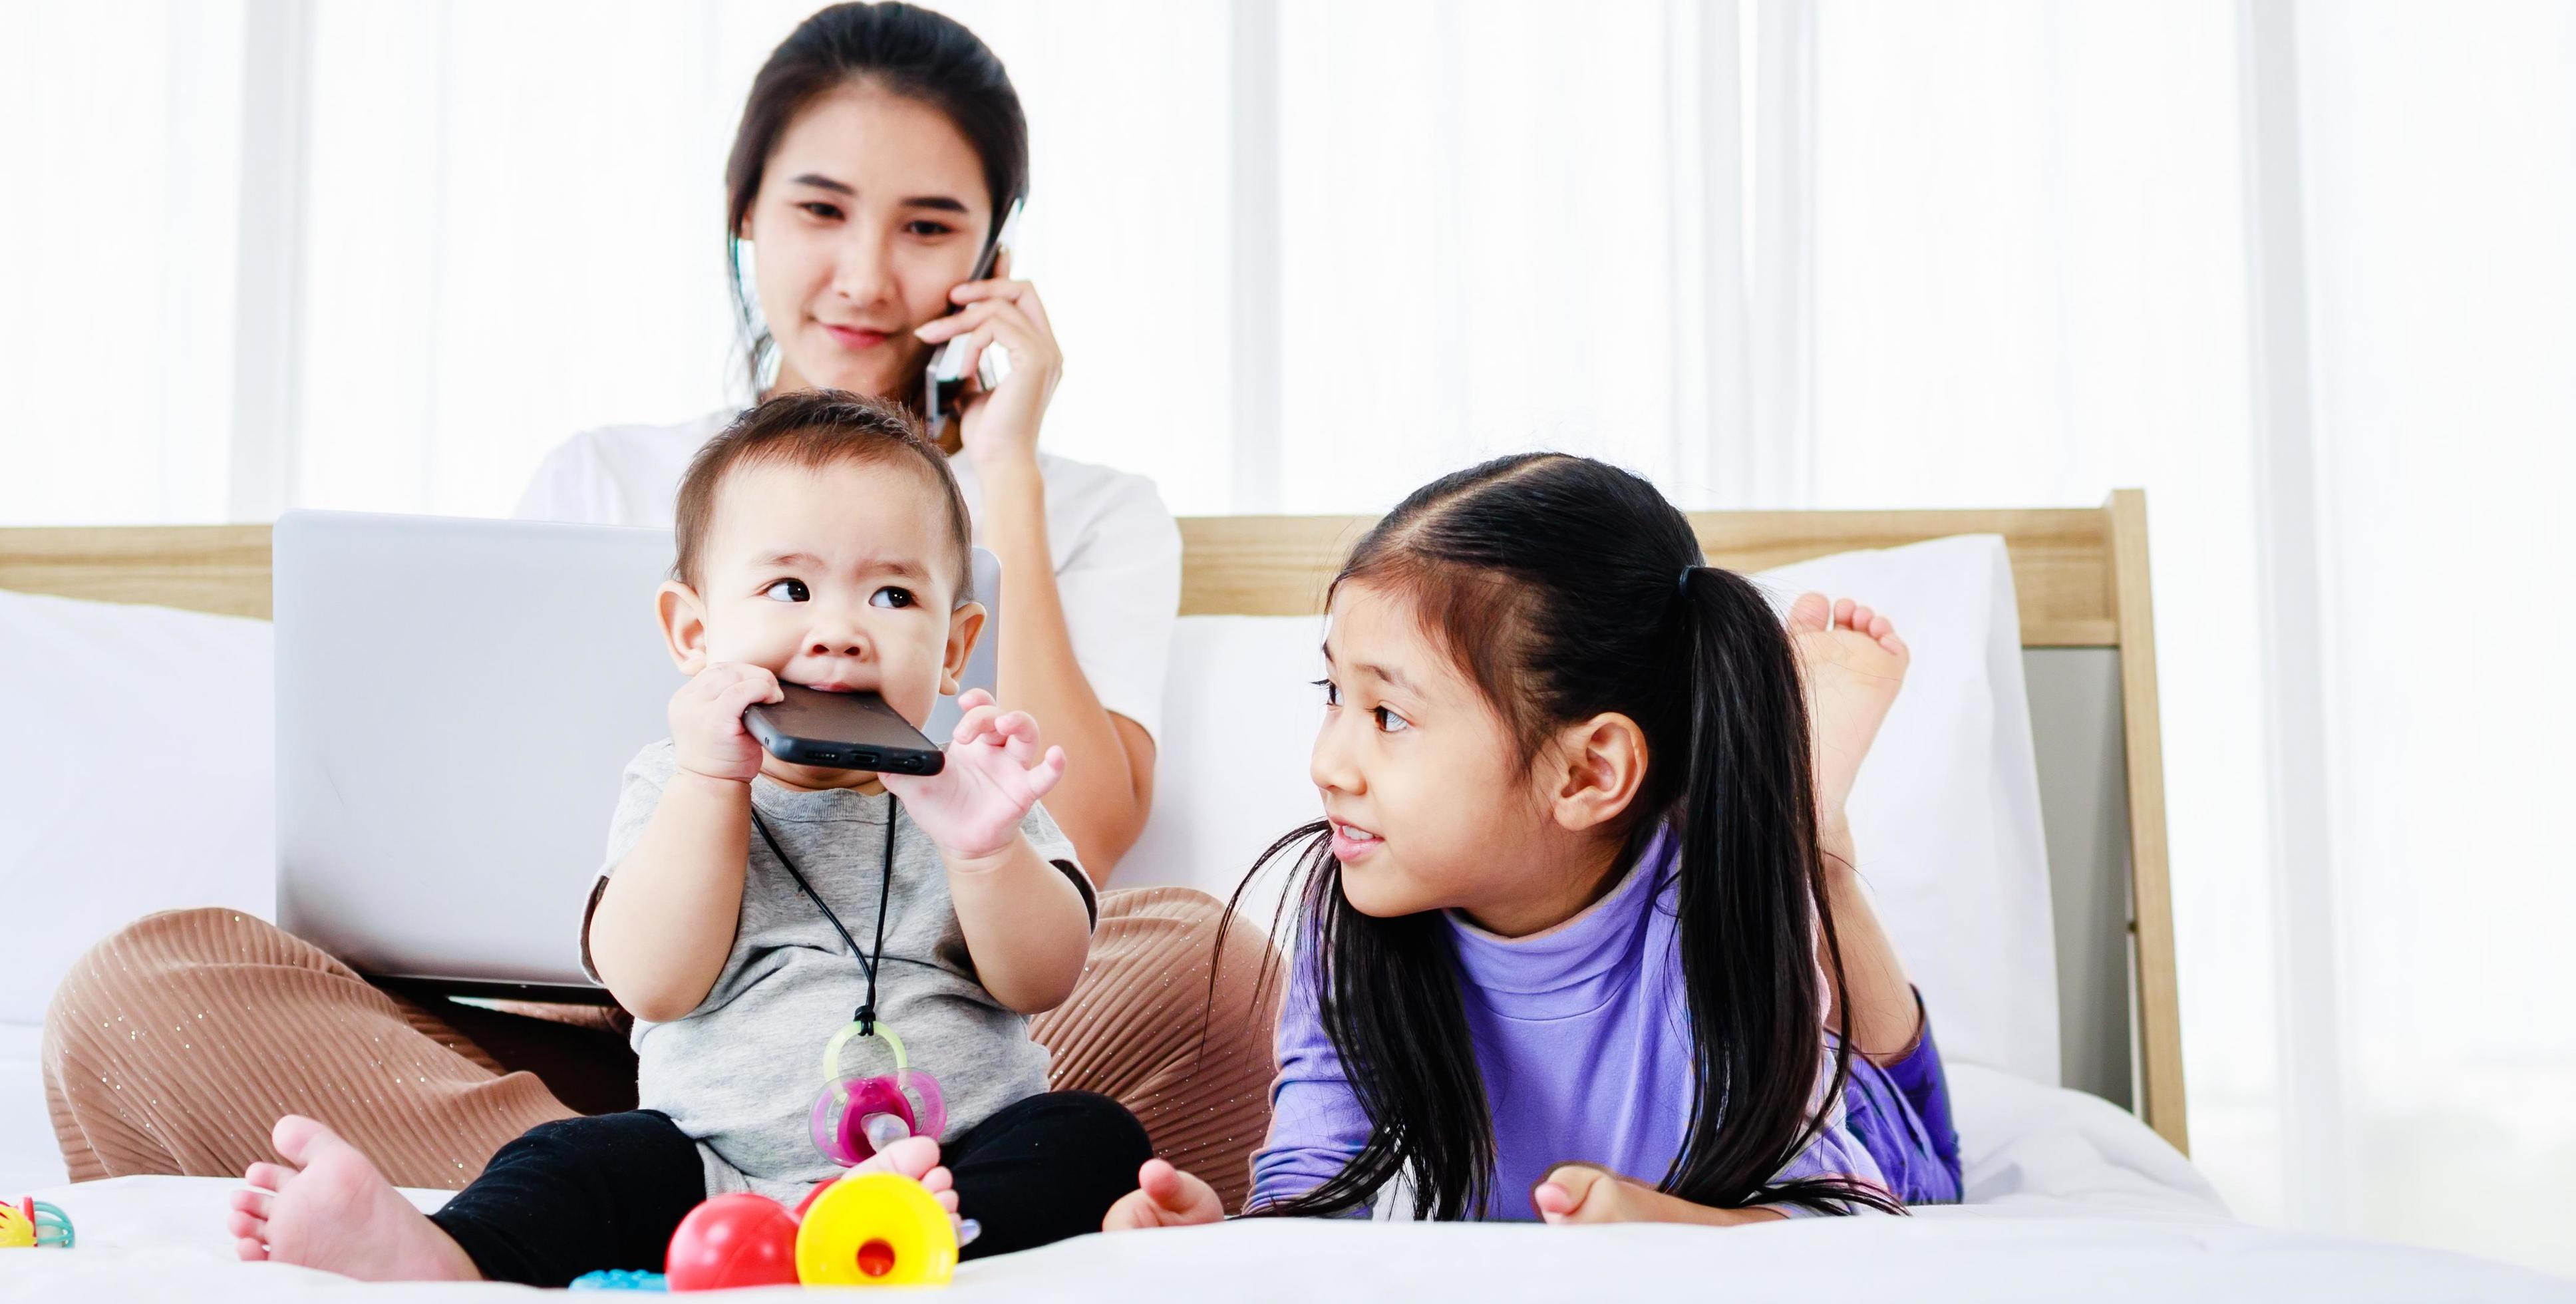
x=876, y=157
x=876, y=148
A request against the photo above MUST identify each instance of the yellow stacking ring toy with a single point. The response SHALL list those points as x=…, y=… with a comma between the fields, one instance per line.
x=876, y=1229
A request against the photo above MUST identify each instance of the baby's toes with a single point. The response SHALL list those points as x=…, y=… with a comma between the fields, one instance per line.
x=268, y=1177
x=250, y=1249
x=246, y=1226
x=938, y=1179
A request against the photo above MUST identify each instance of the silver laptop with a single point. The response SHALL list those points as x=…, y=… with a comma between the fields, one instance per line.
x=455, y=702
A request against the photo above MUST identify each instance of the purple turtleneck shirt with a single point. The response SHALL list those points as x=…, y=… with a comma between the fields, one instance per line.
x=1582, y=1036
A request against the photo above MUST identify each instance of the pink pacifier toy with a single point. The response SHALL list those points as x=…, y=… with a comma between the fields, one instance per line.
x=860, y=1114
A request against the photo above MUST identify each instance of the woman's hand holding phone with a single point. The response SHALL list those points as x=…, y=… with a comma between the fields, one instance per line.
x=994, y=773
x=707, y=736
x=1000, y=425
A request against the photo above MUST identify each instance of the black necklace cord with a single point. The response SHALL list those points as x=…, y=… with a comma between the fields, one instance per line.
x=866, y=1017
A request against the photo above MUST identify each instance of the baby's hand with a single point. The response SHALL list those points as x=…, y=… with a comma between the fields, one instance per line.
x=973, y=807
x=707, y=736
x=1164, y=1197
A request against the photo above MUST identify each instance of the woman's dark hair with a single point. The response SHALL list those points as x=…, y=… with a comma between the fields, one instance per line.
x=905, y=49
x=1567, y=589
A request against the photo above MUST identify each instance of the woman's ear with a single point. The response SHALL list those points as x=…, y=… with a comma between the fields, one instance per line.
x=684, y=625
x=965, y=625
x=1593, y=771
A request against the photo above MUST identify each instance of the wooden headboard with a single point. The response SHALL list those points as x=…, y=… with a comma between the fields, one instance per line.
x=2080, y=573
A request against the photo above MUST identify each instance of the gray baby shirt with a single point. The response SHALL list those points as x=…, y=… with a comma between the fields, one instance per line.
x=741, y=1072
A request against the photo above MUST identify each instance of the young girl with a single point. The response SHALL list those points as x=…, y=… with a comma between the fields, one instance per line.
x=1569, y=941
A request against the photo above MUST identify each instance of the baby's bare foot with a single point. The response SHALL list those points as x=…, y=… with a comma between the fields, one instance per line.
x=332, y=1210
x=1854, y=664
x=916, y=1157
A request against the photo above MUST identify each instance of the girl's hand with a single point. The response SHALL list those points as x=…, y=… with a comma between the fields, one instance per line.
x=973, y=807
x=1000, y=425
x=1586, y=1193
x=1164, y=1197
x=707, y=736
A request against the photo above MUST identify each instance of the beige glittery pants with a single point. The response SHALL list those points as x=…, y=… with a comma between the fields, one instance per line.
x=173, y=1046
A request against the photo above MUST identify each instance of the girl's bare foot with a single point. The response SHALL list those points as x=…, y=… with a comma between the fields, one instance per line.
x=1854, y=664
x=332, y=1210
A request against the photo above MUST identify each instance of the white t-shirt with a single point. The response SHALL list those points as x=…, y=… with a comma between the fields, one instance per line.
x=1117, y=551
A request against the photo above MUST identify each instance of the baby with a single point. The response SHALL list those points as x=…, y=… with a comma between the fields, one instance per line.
x=750, y=909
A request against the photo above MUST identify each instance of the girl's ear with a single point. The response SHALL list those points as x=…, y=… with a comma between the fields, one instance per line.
x=684, y=625
x=965, y=625
x=1593, y=771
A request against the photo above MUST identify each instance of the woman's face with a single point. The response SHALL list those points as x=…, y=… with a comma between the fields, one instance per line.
x=870, y=210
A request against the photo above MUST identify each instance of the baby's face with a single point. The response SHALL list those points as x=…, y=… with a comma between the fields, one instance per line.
x=839, y=578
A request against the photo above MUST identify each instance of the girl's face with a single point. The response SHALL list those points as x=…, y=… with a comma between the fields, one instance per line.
x=1422, y=779
x=871, y=208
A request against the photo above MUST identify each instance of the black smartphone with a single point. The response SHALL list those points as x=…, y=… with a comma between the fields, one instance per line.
x=841, y=731
x=946, y=374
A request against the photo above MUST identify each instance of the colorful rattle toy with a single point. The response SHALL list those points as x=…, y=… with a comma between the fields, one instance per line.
x=34, y=1222
x=866, y=1229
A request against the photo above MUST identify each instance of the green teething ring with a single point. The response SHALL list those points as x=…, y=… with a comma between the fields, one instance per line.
x=832, y=1052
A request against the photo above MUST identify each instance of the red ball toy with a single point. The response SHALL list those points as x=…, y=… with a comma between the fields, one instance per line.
x=733, y=1240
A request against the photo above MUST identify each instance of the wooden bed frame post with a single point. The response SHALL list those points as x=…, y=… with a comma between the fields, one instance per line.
x=2150, y=890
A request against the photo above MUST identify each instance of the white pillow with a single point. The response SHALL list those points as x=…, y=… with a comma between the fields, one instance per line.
x=1945, y=812
x=137, y=776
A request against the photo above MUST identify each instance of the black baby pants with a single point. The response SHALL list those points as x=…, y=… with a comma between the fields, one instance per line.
x=583, y=1194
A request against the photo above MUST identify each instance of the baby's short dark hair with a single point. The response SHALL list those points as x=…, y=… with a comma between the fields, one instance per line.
x=815, y=428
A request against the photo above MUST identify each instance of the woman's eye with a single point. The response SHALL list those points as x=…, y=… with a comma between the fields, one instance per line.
x=928, y=229
x=1390, y=722
x=1332, y=692
x=890, y=596
x=817, y=208
x=787, y=591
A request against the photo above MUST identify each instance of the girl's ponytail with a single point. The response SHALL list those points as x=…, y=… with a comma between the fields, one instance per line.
x=1751, y=878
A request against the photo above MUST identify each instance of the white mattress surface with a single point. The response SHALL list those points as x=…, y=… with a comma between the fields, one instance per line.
x=2077, y=1200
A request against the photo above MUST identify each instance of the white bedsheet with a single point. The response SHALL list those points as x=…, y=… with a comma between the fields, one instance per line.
x=2078, y=1200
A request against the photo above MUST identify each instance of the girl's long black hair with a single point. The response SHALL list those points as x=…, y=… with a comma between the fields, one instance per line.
x=1566, y=589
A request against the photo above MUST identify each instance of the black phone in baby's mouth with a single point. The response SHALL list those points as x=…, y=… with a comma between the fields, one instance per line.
x=841, y=731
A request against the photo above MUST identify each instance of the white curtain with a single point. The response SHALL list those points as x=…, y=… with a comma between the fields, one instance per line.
x=120, y=127
x=1474, y=233
x=2440, y=191
x=2035, y=279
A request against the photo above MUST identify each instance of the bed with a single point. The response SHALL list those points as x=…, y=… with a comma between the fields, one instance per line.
x=2066, y=1043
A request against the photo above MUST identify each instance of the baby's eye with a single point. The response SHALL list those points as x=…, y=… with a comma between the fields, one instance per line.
x=1332, y=692
x=892, y=596
x=787, y=591
x=1391, y=722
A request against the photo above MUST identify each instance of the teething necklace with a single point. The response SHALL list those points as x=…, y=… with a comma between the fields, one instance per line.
x=856, y=1115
